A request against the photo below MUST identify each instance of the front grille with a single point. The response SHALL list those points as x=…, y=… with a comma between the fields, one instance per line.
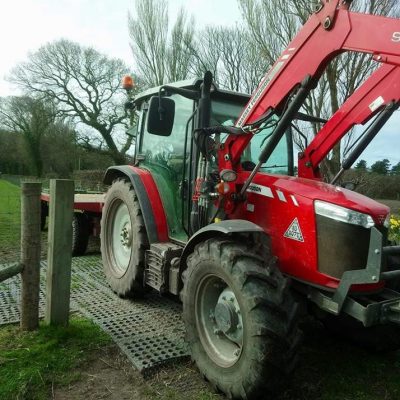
x=342, y=247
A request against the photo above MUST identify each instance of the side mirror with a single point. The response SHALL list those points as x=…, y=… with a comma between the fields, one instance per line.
x=160, y=118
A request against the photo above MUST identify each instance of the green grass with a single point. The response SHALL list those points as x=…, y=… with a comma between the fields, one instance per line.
x=14, y=179
x=10, y=214
x=31, y=362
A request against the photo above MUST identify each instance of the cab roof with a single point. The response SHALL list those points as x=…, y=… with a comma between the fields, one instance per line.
x=216, y=93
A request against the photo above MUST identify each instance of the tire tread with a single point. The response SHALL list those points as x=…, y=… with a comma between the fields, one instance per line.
x=273, y=317
x=130, y=286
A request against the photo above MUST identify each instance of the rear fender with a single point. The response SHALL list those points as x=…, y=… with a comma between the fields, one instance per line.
x=148, y=196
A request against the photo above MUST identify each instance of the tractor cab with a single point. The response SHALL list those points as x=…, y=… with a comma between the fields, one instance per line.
x=168, y=151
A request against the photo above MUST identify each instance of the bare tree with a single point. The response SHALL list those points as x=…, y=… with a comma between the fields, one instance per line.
x=161, y=56
x=164, y=55
x=205, y=55
x=179, y=56
x=273, y=24
x=84, y=85
x=31, y=118
x=11, y=159
x=60, y=149
x=254, y=66
x=230, y=54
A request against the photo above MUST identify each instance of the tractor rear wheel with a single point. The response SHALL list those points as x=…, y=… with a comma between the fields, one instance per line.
x=240, y=318
x=123, y=240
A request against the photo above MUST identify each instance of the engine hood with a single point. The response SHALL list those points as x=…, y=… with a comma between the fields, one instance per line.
x=315, y=190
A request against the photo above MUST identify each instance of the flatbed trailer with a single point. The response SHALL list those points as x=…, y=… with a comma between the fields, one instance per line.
x=86, y=219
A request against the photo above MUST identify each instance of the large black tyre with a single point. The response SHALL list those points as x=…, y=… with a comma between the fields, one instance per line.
x=123, y=240
x=43, y=215
x=80, y=234
x=265, y=309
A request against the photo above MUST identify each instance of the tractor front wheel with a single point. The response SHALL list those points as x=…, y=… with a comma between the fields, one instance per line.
x=123, y=240
x=240, y=318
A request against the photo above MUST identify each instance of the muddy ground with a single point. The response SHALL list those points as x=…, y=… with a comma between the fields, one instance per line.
x=109, y=375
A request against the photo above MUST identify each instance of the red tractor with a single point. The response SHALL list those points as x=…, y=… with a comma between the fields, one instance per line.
x=212, y=210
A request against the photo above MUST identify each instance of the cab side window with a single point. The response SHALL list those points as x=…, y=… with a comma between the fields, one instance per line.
x=164, y=157
x=168, y=151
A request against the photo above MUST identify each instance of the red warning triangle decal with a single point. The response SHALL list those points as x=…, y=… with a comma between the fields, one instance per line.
x=294, y=231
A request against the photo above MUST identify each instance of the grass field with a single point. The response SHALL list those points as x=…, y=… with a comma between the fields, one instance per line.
x=32, y=363
x=10, y=216
x=10, y=223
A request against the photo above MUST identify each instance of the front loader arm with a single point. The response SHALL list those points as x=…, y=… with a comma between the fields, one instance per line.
x=327, y=33
x=382, y=88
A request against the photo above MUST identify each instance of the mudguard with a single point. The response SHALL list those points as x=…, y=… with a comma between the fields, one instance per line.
x=149, y=199
x=227, y=227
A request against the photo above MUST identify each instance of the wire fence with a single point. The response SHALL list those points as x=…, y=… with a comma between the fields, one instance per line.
x=10, y=243
x=10, y=247
x=10, y=221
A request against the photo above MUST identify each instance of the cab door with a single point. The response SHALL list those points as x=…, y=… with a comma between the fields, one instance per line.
x=165, y=158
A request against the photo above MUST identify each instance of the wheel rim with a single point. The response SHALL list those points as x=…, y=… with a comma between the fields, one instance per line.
x=120, y=237
x=219, y=321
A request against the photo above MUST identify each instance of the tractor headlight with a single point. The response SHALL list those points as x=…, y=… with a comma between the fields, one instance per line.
x=343, y=214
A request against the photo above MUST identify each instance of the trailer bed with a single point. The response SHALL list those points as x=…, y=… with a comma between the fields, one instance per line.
x=89, y=202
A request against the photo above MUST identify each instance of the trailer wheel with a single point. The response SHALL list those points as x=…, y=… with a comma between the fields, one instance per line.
x=241, y=319
x=43, y=215
x=80, y=234
x=123, y=240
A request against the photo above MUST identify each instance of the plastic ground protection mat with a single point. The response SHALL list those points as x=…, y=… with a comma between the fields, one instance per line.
x=149, y=331
x=10, y=295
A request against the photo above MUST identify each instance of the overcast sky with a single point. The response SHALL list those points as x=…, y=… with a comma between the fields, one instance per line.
x=27, y=24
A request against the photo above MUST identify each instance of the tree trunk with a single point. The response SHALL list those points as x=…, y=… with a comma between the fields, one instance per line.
x=118, y=158
x=115, y=154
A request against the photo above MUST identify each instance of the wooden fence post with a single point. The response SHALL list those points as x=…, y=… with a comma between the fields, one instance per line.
x=58, y=282
x=30, y=254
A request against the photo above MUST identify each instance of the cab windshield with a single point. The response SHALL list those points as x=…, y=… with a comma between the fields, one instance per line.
x=280, y=161
x=226, y=113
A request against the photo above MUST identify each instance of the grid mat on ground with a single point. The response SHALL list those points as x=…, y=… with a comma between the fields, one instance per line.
x=149, y=331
